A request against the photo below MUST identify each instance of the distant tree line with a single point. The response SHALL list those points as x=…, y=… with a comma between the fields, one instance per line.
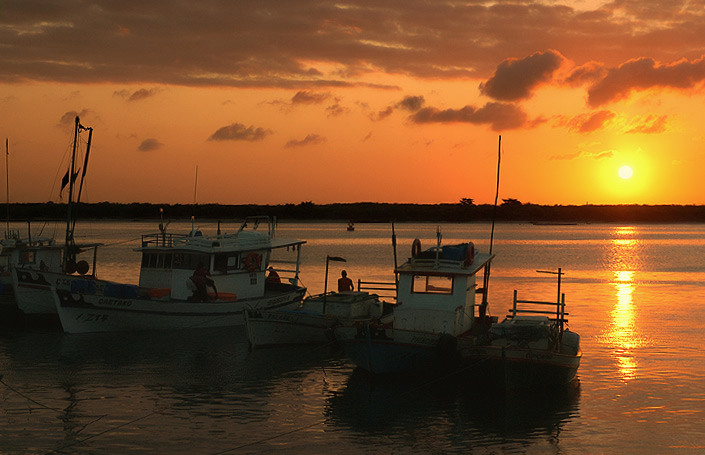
x=510, y=210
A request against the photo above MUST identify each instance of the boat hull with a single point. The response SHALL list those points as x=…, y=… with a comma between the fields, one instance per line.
x=81, y=313
x=386, y=351
x=287, y=327
x=517, y=368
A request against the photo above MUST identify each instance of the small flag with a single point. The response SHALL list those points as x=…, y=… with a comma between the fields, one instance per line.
x=65, y=180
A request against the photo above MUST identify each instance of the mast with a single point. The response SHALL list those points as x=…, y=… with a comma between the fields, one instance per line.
x=69, y=250
x=7, y=181
x=486, y=278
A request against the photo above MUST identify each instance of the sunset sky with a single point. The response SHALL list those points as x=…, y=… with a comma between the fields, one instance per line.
x=383, y=101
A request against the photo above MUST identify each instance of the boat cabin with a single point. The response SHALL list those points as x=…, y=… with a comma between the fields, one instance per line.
x=437, y=289
x=38, y=253
x=237, y=263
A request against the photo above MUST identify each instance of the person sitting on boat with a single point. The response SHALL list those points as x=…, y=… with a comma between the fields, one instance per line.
x=202, y=281
x=273, y=276
x=345, y=284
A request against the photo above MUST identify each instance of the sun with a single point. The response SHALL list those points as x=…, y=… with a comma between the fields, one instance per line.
x=625, y=172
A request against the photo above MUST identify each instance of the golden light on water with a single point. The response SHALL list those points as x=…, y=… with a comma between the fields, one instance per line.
x=623, y=334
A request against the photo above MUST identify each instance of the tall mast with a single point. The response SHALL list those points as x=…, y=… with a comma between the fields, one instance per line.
x=68, y=247
x=7, y=181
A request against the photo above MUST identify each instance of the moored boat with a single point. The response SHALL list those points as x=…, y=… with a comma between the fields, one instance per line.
x=188, y=281
x=436, y=304
x=530, y=349
x=311, y=323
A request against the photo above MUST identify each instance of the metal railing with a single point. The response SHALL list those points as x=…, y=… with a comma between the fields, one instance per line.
x=558, y=315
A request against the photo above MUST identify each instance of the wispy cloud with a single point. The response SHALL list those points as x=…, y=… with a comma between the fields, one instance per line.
x=149, y=144
x=500, y=116
x=240, y=132
x=310, y=139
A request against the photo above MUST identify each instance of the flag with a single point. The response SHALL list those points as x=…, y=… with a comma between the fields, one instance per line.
x=64, y=181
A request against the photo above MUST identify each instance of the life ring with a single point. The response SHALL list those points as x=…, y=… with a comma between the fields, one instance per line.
x=415, y=248
x=469, y=254
x=253, y=261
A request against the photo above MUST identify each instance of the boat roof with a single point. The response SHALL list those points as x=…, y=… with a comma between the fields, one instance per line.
x=427, y=264
x=240, y=241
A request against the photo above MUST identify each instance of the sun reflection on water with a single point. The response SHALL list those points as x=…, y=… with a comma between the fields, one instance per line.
x=622, y=334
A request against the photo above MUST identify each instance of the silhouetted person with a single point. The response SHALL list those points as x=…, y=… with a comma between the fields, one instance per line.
x=345, y=284
x=273, y=276
x=201, y=279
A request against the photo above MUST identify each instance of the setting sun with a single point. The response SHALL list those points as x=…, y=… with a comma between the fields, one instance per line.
x=625, y=172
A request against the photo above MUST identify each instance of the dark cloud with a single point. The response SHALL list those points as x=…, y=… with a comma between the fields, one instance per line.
x=309, y=97
x=336, y=109
x=645, y=73
x=149, y=144
x=383, y=114
x=310, y=139
x=500, y=116
x=412, y=103
x=515, y=79
x=137, y=95
x=69, y=118
x=310, y=44
x=239, y=132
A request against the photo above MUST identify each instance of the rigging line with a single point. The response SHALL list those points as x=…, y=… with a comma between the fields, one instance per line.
x=28, y=398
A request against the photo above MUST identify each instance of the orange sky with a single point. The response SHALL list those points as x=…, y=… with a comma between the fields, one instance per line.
x=284, y=102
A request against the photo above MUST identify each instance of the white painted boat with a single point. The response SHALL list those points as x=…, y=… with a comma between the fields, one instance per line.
x=436, y=305
x=312, y=321
x=168, y=295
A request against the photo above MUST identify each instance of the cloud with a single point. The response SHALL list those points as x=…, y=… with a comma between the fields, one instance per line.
x=149, y=144
x=500, y=116
x=582, y=154
x=642, y=74
x=69, y=118
x=649, y=125
x=310, y=139
x=239, y=132
x=411, y=103
x=309, y=97
x=515, y=79
x=137, y=95
x=587, y=123
x=313, y=44
x=336, y=109
x=383, y=114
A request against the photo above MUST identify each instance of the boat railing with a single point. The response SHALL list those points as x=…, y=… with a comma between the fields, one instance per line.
x=537, y=307
x=158, y=240
x=388, y=287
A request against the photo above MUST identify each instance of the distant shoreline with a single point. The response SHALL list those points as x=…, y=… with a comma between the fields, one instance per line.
x=372, y=212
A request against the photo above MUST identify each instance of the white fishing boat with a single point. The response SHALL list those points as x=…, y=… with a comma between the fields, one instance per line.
x=530, y=349
x=40, y=253
x=311, y=323
x=176, y=273
x=436, y=304
x=50, y=263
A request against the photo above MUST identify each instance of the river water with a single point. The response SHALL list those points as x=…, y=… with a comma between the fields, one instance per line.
x=635, y=294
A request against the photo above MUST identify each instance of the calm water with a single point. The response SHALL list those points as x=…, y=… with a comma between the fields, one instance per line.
x=636, y=295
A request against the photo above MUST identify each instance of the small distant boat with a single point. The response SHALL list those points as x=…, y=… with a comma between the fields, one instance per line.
x=530, y=349
x=312, y=322
x=168, y=295
x=351, y=226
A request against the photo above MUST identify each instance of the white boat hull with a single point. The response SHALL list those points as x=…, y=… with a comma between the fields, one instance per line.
x=82, y=313
x=33, y=289
x=287, y=327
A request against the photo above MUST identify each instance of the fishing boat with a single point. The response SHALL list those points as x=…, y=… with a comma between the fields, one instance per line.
x=312, y=321
x=50, y=263
x=436, y=305
x=530, y=349
x=188, y=281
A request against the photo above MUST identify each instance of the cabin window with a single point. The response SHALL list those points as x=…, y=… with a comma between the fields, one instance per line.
x=28, y=257
x=224, y=263
x=190, y=261
x=432, y=284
